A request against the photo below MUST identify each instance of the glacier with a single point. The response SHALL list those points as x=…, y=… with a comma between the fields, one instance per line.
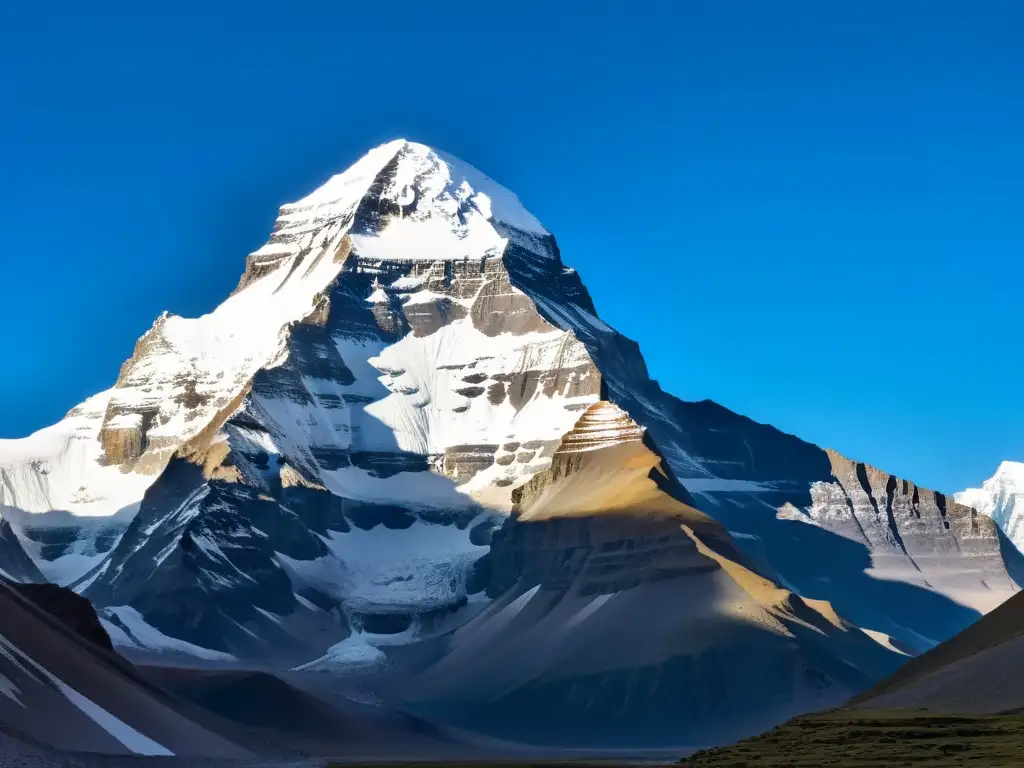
x=408, y=443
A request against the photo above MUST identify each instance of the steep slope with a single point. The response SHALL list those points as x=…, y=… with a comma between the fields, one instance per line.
x=61, y=690
x=620, y=611
x=15, y=564
x=977, y=671
x=69, y=608
x=312, y=474
x=1001, y=497
x=958, y=704
x=62, y=687
x=265, y=704
x=67, y=503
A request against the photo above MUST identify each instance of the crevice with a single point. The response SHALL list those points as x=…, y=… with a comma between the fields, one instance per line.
x=853, y=514
x=890, y=492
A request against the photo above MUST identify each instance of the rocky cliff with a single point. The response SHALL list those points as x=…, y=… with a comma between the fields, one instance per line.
x=407, y=430
x=618, y=608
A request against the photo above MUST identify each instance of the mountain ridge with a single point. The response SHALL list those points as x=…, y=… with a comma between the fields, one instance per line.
x=345, y=484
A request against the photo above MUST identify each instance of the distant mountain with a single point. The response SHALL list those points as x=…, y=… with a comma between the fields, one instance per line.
x=1001, y=497
x=408, y=455
x=977, y=671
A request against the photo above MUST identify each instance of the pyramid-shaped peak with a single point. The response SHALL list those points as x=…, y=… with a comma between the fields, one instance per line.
x=1011, y=471
x=409, y=174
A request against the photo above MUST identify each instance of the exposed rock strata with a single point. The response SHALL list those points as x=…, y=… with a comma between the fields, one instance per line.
x=321, y=470
x=618, y=607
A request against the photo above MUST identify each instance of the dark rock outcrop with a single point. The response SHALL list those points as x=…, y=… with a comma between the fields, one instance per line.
x=71, y=609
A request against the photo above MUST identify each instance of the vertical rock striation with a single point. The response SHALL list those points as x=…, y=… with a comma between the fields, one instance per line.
x=406, y=444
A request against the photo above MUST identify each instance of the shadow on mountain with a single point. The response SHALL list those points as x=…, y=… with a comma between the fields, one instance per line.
x=235, y=545
x=753, y=458
x=64, y=690
x=287, y=717
x=823, y=565
x=979, y=671
x=55, y=535
x=637, y=630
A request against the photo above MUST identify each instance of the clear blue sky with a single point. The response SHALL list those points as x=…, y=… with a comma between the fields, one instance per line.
x=812, y=212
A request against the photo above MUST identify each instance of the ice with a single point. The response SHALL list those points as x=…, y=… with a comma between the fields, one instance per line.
x=275, y=249
x=429, y=240
x=141, y=635
x=344, y=189
x=415, y=489
x=417, y=568
x=378, y=297
x=272, y=616
x=407, y=283
x=423, y=297
x=487, y=627
x=69, y=568
x=62, y=467
x=426, y=422
x=322, y=574
x=353, y=651
x=59, y=468
x=503, y=204
x=208, y=546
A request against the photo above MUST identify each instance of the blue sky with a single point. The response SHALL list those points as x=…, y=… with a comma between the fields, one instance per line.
x=810, y=212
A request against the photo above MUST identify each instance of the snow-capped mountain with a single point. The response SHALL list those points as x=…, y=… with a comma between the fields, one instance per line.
x=407, y=445
x=1001, y=497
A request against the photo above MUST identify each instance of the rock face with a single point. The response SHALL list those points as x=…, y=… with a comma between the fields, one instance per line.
x=1001, y=497
x=71, y=609
x=408, y=431
x=15, y=564
x=620, y=611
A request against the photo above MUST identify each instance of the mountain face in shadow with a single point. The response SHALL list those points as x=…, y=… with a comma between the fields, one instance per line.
x=408, y=456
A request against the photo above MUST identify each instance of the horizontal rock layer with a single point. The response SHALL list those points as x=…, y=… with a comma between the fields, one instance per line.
x=408, y=446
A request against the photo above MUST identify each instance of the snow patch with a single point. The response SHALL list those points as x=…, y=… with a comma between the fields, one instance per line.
x=137, y=742
x=418, y=568
x=724, y=485
x=352, y=652
x=1001, y=497
x=124, y=733
x=141, y=635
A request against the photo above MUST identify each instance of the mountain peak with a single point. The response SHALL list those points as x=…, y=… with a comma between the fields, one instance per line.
x=408, y=424
x=1000, y=497
x=411, y=183
x=1012, y=471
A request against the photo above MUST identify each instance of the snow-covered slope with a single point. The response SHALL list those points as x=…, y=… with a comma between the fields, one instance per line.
x=320, y=473
x=1001, y=497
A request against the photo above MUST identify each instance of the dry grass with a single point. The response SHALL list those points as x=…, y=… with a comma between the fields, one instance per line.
x=863, y=738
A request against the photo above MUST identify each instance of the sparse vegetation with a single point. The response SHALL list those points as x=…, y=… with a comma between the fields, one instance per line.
x=859, y=739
